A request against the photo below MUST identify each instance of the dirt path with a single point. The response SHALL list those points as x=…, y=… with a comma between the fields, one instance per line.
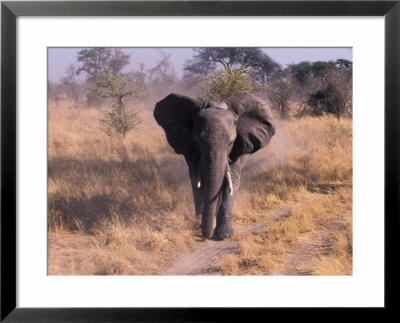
x=207, y=257
x=203, y=260
x=66, y=253
x=312, y=245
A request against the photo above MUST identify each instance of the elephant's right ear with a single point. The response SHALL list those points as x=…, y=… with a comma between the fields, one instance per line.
x=175, y=115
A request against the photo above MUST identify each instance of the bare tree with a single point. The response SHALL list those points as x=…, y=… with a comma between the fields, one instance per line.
x=163, y=79
x=55, y=92
x=280, y=90
x=70, y=85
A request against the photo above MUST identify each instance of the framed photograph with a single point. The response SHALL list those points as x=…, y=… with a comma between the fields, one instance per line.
x=184, y=160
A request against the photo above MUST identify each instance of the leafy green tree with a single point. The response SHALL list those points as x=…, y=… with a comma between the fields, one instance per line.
x=224, y=84
x=103, y=67
x=335, y=97
x=324, y=86
x=327, y=100
x=255, y=62
x=320, y=69
x=344, y=64
x=121, y=118
x=100, y=59
x=306, y=70
x=301, y=71
x=94, y=62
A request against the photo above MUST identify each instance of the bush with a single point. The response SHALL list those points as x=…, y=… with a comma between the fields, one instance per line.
x=330, y=100
x=335, y=97
x=224, y=84
x=120, y=119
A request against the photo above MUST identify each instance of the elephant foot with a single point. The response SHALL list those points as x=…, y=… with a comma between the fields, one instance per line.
x=223, y=231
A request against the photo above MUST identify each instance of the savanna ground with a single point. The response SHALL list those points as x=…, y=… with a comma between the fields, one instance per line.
x=123, y=206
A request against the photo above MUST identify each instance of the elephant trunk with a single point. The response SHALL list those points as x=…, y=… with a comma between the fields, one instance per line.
x=215, y=172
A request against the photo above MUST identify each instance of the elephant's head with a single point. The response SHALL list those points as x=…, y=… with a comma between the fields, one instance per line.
x=213, y=139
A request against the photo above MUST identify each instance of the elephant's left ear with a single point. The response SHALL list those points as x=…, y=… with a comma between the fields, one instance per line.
x=255, y=126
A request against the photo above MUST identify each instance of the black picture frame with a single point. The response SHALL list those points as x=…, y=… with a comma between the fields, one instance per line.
x=10, y=10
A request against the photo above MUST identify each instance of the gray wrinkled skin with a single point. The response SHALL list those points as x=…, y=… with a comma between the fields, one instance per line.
x=215, y=140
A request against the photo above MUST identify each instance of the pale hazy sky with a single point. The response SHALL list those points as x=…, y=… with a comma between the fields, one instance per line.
x=60, y=58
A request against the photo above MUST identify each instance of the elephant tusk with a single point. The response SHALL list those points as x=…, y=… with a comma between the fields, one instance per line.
x=228, y=175
x=198, y=183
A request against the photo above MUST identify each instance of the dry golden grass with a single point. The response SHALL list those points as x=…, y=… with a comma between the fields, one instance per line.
x=338, y=258
x=128, y=196
x=306, y=155
x=315, y=239
x=123, y=206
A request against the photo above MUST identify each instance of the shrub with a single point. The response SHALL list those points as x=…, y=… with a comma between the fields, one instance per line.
x=120, y=119
x=224, y=84
x=330, y=100
x=335, y=97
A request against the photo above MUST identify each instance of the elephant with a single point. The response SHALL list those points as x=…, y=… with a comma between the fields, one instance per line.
x=215, y=139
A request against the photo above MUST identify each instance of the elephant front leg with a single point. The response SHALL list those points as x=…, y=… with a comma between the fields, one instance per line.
x=224, y=226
